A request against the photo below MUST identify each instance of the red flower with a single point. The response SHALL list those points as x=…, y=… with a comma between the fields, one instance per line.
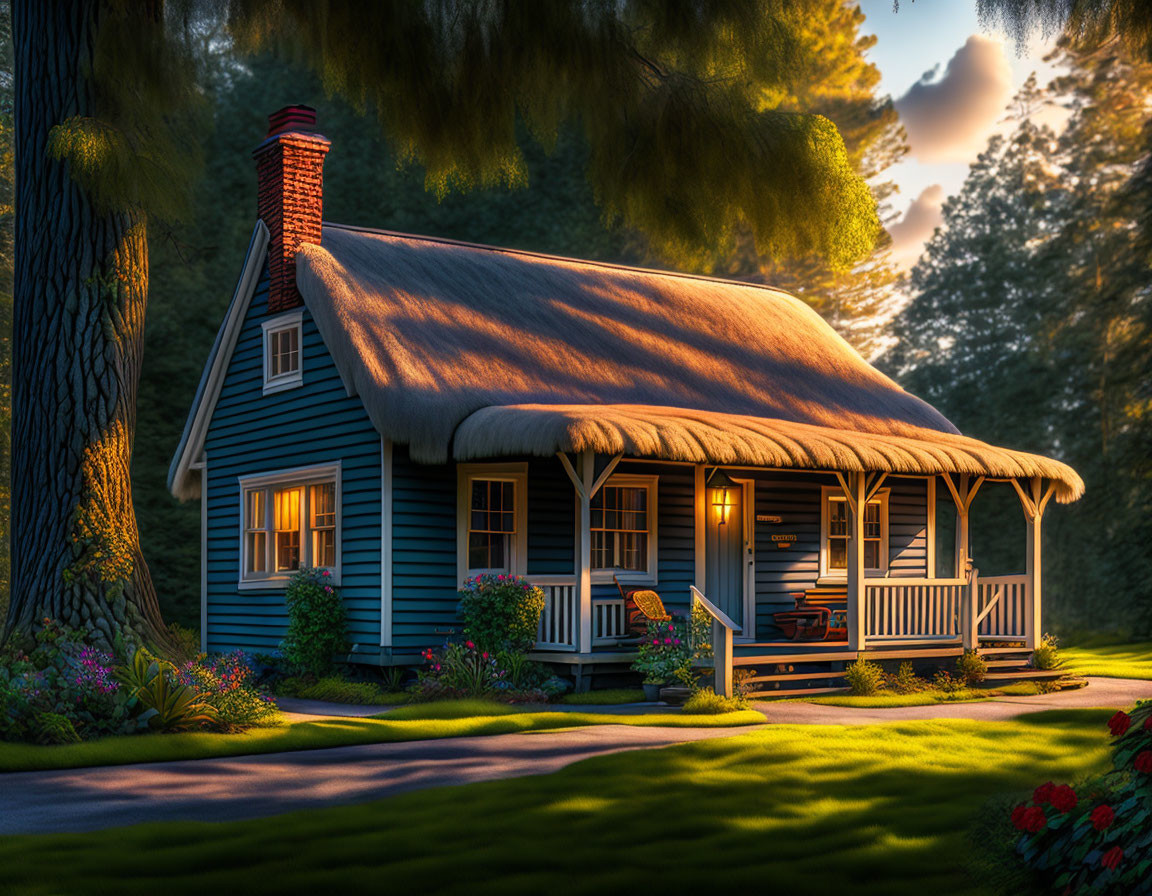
x=1043, y=794
x=1119, y=723
x=1102, y=817
x=1063, y=799
x=469, y=645
x=1144, y=762
x=1112, y=858
x=1148, y=724
x=1029, y=818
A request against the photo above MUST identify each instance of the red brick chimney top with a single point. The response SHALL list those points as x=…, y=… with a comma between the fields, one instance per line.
x=292, y=118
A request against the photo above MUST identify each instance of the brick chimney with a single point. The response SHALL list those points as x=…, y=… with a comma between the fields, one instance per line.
x=290, y=195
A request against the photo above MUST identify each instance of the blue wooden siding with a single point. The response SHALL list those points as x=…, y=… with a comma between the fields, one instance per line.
x=250, y=434
x=907, y=527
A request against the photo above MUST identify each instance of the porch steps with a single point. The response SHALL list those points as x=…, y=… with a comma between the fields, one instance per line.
x=786, y=658
x=1026, y=674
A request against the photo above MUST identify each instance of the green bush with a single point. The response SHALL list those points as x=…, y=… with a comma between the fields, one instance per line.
x=163, y=702
x=185, y=643
x=501, y=613
x=905, y=681
x=317, y=623
x=335, y=689
x=51, y=728
x=1097, y=840
x=946, y=684
x=706, y=702
x=864, y=678
x=227, y=684
x=1046, y=656
x=971, y=667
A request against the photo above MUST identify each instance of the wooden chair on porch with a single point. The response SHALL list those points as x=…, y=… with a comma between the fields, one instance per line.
x=641, y=607
x=820, y=615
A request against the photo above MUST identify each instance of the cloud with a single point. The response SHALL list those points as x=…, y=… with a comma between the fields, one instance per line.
x=913, y=230
x=949, y=120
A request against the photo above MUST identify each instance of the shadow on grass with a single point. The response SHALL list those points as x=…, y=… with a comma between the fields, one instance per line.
x=793, y=809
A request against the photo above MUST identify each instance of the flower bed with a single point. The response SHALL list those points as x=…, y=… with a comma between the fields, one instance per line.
x=1097, y=840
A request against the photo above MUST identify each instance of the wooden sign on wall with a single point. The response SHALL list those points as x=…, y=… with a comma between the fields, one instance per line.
x=768, y=518
x=783, y=542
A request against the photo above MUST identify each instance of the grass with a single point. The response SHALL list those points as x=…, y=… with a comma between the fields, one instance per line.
x=606, y=697
x=418, y=722
x=798, y=809
x=1110, y=660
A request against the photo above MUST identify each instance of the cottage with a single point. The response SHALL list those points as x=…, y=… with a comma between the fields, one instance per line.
x=407, y=411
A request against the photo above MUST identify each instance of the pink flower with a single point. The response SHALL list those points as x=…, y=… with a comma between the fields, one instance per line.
x=469, y=645
x=667, y=640
x=325, y=573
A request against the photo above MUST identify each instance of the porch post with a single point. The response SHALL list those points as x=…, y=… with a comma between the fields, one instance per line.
x=963, y=538
x=1033, y=502
x=856, y=499
x=587, y=474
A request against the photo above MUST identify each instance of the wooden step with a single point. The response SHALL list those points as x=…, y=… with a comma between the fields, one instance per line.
x=1025, y=673
x=793, y=676
x=1023, y=661
x=784, y=659
x=797, y=692
x=1004, y=651
x=913, y=654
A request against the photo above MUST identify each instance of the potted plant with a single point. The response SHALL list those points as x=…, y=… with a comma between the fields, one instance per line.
x=662, y=655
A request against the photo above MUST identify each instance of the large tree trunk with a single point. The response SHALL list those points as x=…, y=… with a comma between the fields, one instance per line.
x=81, y=282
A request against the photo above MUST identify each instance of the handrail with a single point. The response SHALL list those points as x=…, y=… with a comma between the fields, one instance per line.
x=714, y=611
x=722, y=629
x=889, y=581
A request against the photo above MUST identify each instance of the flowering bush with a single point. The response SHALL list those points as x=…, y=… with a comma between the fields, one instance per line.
x=59, y=689
x=501, y=612
x=459, y=670
x=227, y=684
x=1100, y=840
x=317, y=625
x=664, y=654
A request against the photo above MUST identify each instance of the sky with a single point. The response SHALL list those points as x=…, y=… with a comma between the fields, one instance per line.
x=952, y=80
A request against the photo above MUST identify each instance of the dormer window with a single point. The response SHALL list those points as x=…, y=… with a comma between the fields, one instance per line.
x=283, y=362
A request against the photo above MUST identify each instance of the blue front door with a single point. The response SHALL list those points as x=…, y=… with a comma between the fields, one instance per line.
x=724, y=558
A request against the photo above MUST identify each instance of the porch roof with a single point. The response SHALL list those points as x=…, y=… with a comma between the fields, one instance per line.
x=712, y=437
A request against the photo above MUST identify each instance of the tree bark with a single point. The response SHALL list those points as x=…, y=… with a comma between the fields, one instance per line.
x=81, y=283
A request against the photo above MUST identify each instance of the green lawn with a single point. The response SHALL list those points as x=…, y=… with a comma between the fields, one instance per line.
x=605, y=697
x=1110, y=660
x=421, y=722
x=885, y=810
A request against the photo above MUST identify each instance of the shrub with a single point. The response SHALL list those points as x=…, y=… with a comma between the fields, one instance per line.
x=227, y=684
x=971, y=667
x=664, y=654
x=864, y=678
x=706, y=702
x=317, y=625
x=459, y=670
x=51, y=728
x=1097, y=840
x=185, y=643
x=1046, y=656
x=339, y=690
x=947, y=685
x=905, y=681
x=164, y=703
x=501, y=612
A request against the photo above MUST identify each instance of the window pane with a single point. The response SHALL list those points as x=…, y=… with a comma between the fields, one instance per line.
x=619, y=523
x=491, y=524
x=284, y=348
x=324, y=547
x=257, y=552
x=837, y=553
x=286, y=520
x=255, y=510
x=322, y=504
x=871, y=554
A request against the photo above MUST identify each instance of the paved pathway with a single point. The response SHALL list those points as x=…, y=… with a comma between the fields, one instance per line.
x=255, y=786
x=1110, y=692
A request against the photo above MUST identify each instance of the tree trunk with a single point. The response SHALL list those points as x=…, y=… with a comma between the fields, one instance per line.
x=81, y=282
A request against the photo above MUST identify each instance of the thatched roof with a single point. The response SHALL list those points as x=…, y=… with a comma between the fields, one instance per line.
x=470, y=351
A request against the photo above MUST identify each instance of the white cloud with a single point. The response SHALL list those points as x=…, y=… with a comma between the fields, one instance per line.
x=949, y=120
x=915, y=227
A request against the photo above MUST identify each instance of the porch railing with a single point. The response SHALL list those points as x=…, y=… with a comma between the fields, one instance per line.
x=1004, y=607
x=914, y=609
x=559, y=622
x=608, y=620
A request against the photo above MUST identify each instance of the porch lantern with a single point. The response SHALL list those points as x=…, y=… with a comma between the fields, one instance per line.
x=720, y=488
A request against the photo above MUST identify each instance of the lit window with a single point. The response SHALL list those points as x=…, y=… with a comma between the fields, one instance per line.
x=837, y=532
x=290, y=521
x=283, y=363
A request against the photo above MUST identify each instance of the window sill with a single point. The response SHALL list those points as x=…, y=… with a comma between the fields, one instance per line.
x=604, y=577
x=277, y=583
x=283, y=384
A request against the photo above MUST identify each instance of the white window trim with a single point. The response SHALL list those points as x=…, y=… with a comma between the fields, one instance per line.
x=651, y=483
x=836, y=575
x=287, y=321
x=313, y=475
x=503, y=472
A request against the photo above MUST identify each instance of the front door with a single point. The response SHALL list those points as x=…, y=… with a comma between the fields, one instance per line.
x=724, y=571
